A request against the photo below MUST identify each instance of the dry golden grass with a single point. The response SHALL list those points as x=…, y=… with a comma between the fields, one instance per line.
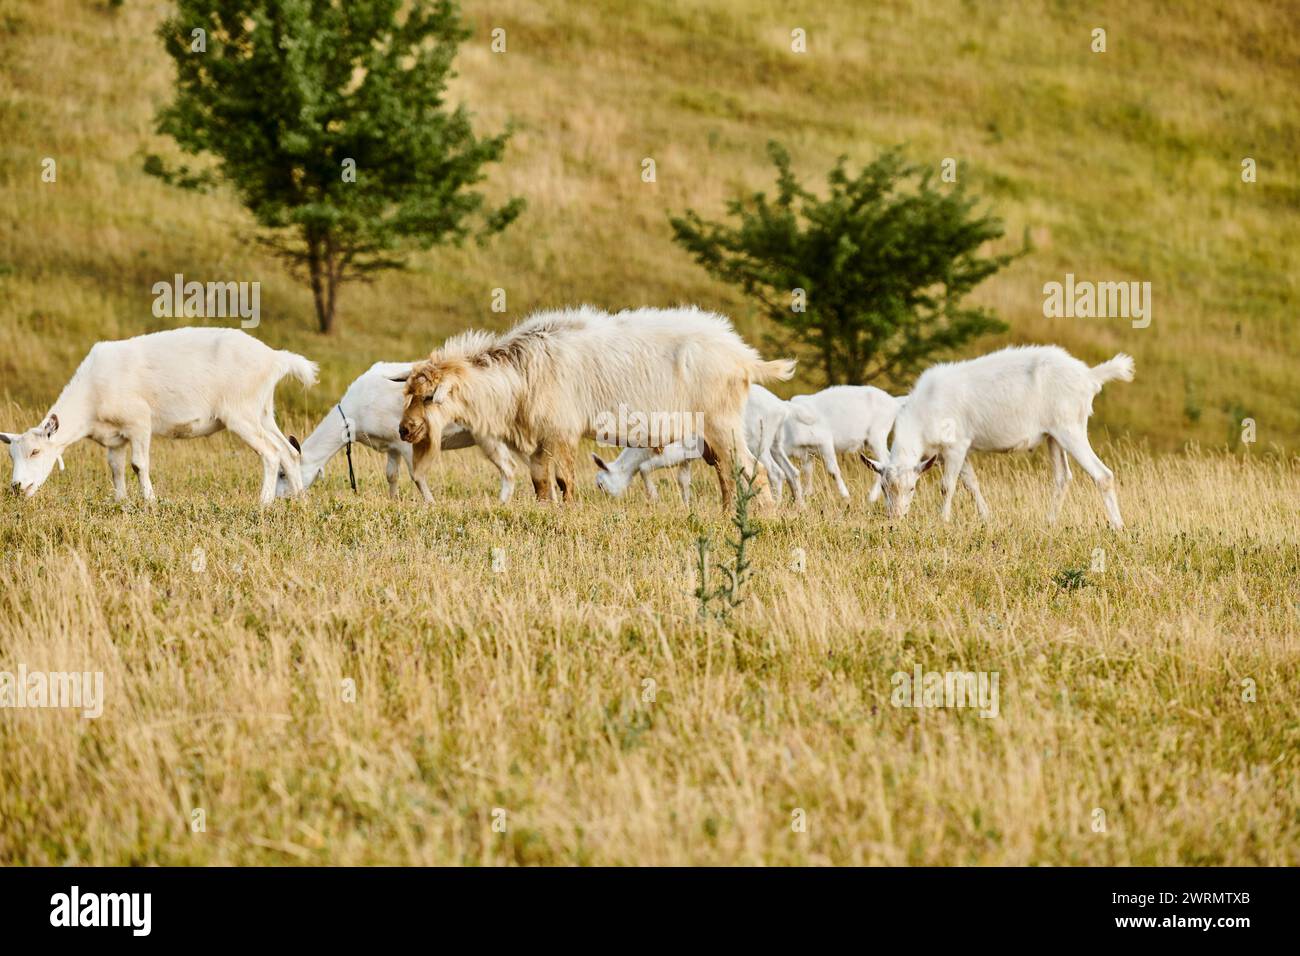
x=524, y=690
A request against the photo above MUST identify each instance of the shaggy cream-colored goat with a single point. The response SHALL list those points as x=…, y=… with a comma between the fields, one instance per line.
x=368, y=414
x=183, y=383
x=1009, y=400
x=644, y=377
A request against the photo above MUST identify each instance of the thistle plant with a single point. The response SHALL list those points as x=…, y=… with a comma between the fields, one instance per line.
x=717, y=601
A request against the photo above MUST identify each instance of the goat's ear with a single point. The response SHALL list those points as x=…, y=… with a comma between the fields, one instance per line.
x=62, y=466
x=600, y=462
x=294, y=442
x=8, y=438
x=871, y=463
x=926, y=465
x=51, y=426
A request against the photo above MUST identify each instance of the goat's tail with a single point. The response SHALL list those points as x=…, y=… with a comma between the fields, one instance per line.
x=304, y=370
x=1119, y=368
x=780, y=369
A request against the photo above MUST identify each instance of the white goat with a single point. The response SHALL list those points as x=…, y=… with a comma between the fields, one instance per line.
x=1005, y=401
x=559, y=376
x=369, y=413
x=183, y=383
x=836, y=420
x=764, y=418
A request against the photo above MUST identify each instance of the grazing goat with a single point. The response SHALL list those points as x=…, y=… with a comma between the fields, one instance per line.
x=843, y=419
x=183, y=383
x=764, y=418
x=562, y=375
x=369, y=413
x=1005, y=401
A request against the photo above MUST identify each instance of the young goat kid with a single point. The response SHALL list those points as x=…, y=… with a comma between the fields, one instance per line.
x=563, y=375
x=183, y=383
x=1009, y=400
x=764, y=416
x=368, y=414
x=838, y=420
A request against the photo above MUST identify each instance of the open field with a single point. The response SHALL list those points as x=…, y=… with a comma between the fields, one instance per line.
x=523, y=690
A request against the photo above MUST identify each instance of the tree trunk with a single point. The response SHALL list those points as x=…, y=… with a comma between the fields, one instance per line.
x=318, y=269
x=332, y=269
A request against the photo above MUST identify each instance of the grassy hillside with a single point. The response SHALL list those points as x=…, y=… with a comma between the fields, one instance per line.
x=1122, y=166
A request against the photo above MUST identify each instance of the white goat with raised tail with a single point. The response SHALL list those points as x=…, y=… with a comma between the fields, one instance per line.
x=183, y=383
x=368, y=414
x=764, y=417
x=645, y=377
x=1005, y=401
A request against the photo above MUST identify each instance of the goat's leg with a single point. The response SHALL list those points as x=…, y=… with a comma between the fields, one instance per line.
x=954, y=460
x=832, y=462
x=808, y=486
x=1060, y=478
x=790, y=472
x=777, y=476
x=880, y=451
x=648, y=480
x=719, y=456
x=564, y=470
x=728, y=445
x=774, y=478
x=257, y=438
x=393, y=470
x=684, y=481
x=290, y=461
x=973, y=486
x=499, y=454
x=140, y=461
x=421, y=482
x=539, y=469
x=117, y=469
x=1075, y=441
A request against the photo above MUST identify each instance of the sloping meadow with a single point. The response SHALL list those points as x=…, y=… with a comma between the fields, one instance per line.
x=348, y=679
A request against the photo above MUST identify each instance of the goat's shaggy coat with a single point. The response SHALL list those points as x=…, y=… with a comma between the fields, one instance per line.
x=1009, y=400
x=183, y=383
x=554, y=378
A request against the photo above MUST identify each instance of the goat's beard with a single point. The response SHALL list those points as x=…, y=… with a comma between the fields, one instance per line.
x=422, y=452
x=427, y=441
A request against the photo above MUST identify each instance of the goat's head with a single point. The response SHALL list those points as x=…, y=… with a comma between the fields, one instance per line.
x=430, y=397
x=34, y=454
x=283, y=487
x=612, y=481
x=898, y=480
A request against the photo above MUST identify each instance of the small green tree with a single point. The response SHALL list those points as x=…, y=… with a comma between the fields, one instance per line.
x=328, y=119
x=869, y=280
